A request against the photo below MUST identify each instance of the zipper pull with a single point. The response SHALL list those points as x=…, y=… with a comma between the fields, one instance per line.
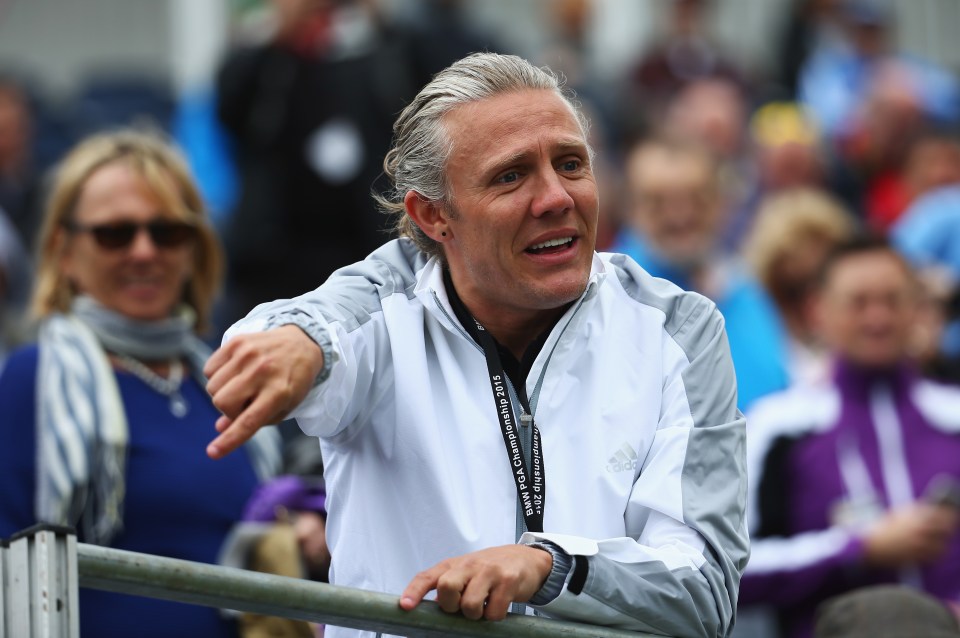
x=526, y=419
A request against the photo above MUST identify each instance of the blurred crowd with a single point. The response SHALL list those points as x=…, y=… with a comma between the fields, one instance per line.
x=818, y=206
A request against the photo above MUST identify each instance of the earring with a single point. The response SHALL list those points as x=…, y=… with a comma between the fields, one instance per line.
x=443, y=234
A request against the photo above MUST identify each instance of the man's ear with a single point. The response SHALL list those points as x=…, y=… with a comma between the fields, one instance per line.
x=428, y=215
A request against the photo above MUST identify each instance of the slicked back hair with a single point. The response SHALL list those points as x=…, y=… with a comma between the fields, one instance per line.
x=421, y=144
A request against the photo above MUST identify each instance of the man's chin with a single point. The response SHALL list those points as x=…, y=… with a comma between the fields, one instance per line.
x=560, y=293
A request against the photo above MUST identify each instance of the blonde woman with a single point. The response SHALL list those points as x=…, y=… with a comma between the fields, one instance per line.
x=793, y=232
x=103, y=417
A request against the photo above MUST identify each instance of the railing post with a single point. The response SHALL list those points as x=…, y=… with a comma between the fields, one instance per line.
x=40, y=579
x=39, y=582
x=126, y=572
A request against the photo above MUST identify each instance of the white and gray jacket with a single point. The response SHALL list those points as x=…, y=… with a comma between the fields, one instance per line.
x=635, y=399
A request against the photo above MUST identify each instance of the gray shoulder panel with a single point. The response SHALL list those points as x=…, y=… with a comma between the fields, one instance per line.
x=680, y=306
x=388, y=270
x=697, y=327
x=677, y=603
x=353, y=293
x=714, y=481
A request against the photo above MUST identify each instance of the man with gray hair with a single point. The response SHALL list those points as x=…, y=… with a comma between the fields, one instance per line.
x=489, y=354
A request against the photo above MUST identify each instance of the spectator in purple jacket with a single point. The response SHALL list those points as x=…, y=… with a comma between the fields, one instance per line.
x=854, y=479
x=283, y=533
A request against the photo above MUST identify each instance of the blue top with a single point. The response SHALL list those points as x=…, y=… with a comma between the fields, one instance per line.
x=758, y=343
x=928, y=234
x=835, y=79
x=179, y=503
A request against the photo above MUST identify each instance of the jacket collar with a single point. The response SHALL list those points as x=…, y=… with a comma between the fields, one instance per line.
x=857, y=382
x=431, y=292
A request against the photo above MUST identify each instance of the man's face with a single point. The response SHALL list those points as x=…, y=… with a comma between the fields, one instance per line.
x=523, y=204
x=675, y=203
x=867, y=309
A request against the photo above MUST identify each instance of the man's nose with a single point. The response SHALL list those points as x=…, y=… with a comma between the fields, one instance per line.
x=552, y=195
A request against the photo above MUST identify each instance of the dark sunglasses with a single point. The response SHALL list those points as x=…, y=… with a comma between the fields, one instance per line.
x=121, y=234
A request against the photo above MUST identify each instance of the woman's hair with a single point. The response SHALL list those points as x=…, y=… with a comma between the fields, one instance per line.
x=788, y=224
x=421, y=145
x=166, y=174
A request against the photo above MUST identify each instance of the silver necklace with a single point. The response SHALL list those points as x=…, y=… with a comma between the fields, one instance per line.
x=168, y=387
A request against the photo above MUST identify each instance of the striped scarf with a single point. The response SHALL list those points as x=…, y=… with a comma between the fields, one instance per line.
x=82, y=430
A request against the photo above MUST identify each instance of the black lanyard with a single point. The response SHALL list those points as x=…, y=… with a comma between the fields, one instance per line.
x=531, y=488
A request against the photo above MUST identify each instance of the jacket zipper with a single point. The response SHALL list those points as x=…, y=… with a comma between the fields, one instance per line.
x=526, y=420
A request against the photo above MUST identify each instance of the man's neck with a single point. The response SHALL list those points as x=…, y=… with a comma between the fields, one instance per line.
x=513, y=329
x=516, y=331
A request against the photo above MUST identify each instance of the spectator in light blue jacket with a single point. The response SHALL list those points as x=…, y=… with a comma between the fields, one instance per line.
x=674, y=231
x=929, y=232
x=929, y=236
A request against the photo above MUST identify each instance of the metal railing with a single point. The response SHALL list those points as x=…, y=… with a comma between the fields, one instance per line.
x=42, y=568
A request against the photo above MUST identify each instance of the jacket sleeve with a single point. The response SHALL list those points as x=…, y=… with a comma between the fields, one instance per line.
x=786, y=568
x=677, y=570
x=344, y=317
x=789, y=570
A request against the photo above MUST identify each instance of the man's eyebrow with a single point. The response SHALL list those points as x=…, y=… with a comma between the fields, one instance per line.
x=564, y=146
x=572, y=146
x=503, y=162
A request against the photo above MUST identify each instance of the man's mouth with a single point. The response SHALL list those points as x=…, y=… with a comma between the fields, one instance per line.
x=551, y=246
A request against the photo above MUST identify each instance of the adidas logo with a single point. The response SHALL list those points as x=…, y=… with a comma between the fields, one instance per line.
x=623, y=460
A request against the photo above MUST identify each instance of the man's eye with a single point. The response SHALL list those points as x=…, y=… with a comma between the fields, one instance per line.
x=570, y=165
x=509, y=178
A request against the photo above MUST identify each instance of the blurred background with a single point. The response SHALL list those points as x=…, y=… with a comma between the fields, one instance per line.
x=284, y=107
x=740, y=142
x=179, y=43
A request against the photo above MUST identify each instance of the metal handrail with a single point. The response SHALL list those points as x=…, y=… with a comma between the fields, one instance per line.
x=226, y=587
